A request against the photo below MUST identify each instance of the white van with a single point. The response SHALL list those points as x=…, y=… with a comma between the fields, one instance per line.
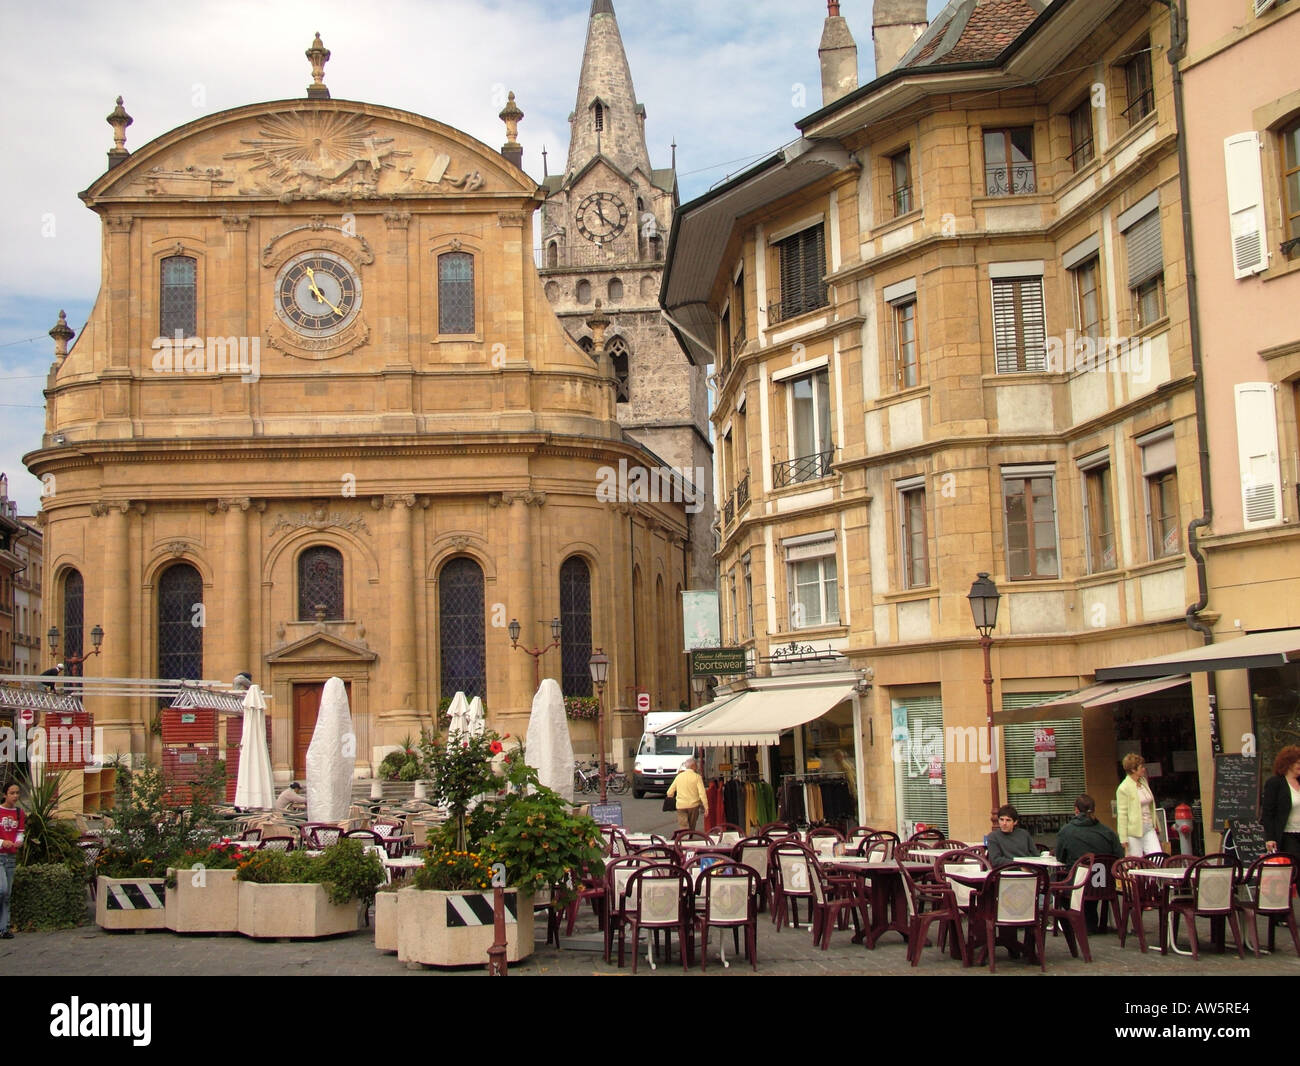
x=658, y=758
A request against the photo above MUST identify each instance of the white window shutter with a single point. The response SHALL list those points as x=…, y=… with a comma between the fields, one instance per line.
x=1263, y=5
x=1246, y=204
x=1261, y=471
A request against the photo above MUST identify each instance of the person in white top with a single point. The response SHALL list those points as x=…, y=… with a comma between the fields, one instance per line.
x=1135, y=807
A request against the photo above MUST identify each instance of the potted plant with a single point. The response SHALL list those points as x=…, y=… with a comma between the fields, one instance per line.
x=293, y=894
x=49, y=889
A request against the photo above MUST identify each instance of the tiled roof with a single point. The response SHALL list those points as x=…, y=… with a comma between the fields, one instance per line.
x=973, y=31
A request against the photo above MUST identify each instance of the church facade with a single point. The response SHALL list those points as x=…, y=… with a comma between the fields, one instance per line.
x=323, y=421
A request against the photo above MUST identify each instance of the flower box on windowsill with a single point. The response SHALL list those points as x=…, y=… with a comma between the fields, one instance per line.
x=299, y=911
x=130, y=903
x=203, y=901
x=456, y=928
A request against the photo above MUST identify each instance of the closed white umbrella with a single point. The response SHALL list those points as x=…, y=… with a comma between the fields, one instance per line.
x=458, y=713
x=549, y=746
x=475, y=719
x=331, y=757
x=253, y=786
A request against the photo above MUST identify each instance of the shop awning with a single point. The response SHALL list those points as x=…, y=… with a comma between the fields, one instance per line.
x=1276, y=648
x=1098, y=696
x=760, y=716
x=698, y=713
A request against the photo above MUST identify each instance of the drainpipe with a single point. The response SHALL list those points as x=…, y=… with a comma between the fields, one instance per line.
x=1177, y=50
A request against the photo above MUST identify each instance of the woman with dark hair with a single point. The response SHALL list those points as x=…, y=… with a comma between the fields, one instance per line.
x=1281, y=805
x=13, y=822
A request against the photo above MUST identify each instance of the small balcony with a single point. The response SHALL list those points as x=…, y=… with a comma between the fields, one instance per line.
x=1015, y=180
x=729, y=511
x=805, y=468
x=742, y=492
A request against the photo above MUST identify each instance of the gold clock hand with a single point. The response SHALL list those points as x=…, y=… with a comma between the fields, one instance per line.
x=311, y=277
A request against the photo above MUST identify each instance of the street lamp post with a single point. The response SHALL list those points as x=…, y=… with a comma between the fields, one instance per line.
x=75, y=661
x=984, y=598
x=536, y=653
x=599, y=666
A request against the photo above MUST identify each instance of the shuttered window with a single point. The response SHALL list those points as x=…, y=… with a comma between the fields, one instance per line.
x=1146, y=257
x=1261, y=472
x=1245, y=204
x=802, y=265
x=918, y=740
x=1018, y=743
x=1019, y=329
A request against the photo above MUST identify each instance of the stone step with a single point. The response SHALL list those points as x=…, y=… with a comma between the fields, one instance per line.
x=395, y=792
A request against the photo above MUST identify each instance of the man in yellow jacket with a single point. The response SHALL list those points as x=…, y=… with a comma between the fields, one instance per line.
x=688, y=788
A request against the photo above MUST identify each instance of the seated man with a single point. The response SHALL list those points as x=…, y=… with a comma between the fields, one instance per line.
x=1084, y=835
x=291, y=798
x=1009, y=842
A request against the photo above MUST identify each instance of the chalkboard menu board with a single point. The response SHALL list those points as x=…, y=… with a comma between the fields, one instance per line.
x=1247, y=841
x=607, y=813
x=1236, y=789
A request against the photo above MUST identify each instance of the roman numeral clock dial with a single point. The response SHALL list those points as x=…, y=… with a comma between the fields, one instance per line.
x=601, y=217
x=317, y=294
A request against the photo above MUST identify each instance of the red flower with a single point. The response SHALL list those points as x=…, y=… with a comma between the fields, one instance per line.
x=495, y=747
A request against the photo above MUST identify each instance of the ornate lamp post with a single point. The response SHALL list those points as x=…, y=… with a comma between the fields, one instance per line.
x=984, y=598
x=599, y=666
x=73, y=662
x=536, y=653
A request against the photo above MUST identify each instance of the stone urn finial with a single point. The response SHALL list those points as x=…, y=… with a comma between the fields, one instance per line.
x=61, y=333
x=318, y=55
x=119, y=120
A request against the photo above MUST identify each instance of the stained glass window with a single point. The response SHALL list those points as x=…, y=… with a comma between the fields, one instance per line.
x=178, y=297
x=575, y=617
x=456, y=293
x=320, y=583
x=180, y=623
x=461, y=630
x=74, y=598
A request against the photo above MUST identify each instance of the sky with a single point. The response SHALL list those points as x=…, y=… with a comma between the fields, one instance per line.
x=726, y=81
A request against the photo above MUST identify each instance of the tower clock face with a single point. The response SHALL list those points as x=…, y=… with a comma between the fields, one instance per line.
x=317, y=294
x=601, y=217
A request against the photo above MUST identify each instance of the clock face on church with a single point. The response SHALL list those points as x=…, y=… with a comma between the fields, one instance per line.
x=317, y=294
x=601, y=217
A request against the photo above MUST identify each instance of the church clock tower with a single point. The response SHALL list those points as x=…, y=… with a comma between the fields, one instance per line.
x=605, y=225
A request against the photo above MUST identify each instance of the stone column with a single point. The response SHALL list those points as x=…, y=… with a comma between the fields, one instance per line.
x=235, y=618
x=122, y=730
x=401, y=716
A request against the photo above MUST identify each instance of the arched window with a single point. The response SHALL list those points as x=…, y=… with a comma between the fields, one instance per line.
x=575, y=616
x=587, y=345
x=74, y=600
x=584, y=291
x=553, y=254
x=320, y=583
x=656, y=248
x=461, y=633
x=599, y=110
x=615, y=289
x=178, y=299
x=620, y=357
x=180, y=623
x=455, y=292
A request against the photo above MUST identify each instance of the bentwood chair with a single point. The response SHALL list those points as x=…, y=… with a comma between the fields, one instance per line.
x=726, y=897
x=1266, y=889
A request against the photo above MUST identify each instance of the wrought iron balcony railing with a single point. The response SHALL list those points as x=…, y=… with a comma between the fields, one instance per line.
x=805, y=468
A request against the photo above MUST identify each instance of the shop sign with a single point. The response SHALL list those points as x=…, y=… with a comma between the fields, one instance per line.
x=717, y=661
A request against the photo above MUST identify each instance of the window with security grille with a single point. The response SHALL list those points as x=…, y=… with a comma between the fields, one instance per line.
x=900, y=171
x=801, y=261
x=1009, y=162
x=1138, y=86
x=1019, y=327
x=320, y=583
x=180, y=623
x=461, y=631
x=455, y=292
x=74, y=598
x=178, y=299
x=575, y=618
x=1081, y=146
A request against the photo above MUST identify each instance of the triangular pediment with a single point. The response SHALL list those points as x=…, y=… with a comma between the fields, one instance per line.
x=322, y=647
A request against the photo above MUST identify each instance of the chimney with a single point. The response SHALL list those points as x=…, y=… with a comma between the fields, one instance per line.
x=895, y=26
x=839, y=55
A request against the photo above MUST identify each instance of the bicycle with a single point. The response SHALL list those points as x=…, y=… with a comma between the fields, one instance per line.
x=585, y=778
x=616, y=781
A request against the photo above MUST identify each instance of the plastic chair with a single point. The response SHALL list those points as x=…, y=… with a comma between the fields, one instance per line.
x=1012, y=898
x=1211, y=881
x=615, y=841
x=957, y=859
x=831, y=898
x=935, y=835
x=1266, y=890
x=276, y=844
x=879, y=846
x=726, y=897
x=791, y=880
x=617, y=874
x=822, y=840
x=927, y=904
x=320, y=835
x=657, y=898
x=1100, y=887
x=752, y=852
x=1139, y=895
x=1066, y=906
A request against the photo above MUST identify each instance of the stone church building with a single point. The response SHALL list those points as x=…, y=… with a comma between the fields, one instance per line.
x=323, y=420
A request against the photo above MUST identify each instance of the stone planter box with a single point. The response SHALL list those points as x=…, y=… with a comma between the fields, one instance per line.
x=293, y=911
x=130, y=903
x=386, y=922
x=455, y=928
x=211, y=906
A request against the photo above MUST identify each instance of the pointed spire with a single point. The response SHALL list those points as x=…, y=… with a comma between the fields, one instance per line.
x=318, y=55
x=606, y=118
x=545, y=172
x=119, y=120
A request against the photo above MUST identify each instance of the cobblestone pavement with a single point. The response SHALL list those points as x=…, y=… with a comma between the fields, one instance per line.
x=89, y=951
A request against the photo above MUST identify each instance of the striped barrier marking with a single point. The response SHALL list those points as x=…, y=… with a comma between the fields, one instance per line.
x=477, y=910
x=136, y=896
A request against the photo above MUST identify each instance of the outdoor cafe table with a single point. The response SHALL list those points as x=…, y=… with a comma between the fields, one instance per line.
x=1167, y=879
x=888, y=893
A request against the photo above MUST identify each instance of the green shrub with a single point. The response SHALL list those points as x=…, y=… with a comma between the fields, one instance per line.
x=346, y=870
x=47, y=896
